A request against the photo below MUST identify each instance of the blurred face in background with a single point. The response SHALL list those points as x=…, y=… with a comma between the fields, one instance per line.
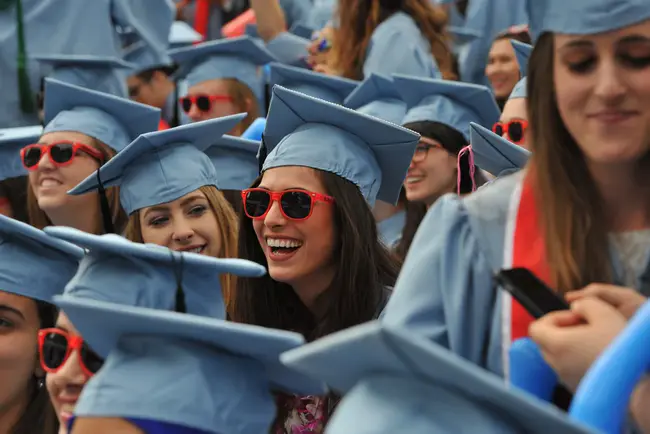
x=502, y=69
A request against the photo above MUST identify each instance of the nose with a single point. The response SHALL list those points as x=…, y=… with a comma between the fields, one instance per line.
x=274, y=217
x=195, y=114
x=70, y=373
x=610, y=85
x=412, y=164
x=45, y=162
x=182, y=231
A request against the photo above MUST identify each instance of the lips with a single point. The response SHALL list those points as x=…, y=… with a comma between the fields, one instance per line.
x=198, y=249
x=613, y=116
x=47, y=182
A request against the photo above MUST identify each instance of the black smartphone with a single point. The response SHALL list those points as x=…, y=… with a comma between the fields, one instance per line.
x=533, y=294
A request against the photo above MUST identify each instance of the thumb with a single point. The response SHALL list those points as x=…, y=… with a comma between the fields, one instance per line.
x=593, y=309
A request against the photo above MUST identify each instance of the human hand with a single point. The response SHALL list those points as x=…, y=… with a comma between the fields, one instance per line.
x=572, y=340
x=627, y=301
x=320, y=46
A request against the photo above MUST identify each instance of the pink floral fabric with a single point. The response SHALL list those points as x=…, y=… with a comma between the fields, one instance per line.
x=306, y=415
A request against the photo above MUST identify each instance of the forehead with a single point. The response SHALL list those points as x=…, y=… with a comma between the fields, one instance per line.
x=25, y=305
x=212, y=87
x=283, y=178
x=640, y=29
x=514, y=109
x=71, y=136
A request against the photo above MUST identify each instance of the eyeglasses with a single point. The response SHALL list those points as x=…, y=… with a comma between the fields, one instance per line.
x=516, y=130
x=60, y=153
x=55, y=347
x=294, y=204
x=422, y=150
x=203, y=102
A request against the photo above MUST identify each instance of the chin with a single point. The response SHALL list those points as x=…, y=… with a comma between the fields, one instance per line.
x=615, y=151
x=51, y=203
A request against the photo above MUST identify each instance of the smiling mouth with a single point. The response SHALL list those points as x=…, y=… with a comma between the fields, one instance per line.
x=198, y=250
x=280, y=246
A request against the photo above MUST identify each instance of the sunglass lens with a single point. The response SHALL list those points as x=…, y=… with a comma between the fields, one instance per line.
x=61, y=153
x=296, y=204
x=256, y=203
x=31, y=156
x=186, y=103
x=203, y=103
x=92, y=361
x=55, y=347
x=498, y=129
x=516, y=131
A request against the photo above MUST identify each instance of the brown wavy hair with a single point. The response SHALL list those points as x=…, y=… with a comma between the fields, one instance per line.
x=40, y=220
x=245, y=101
x=359, y=19
x=572, y=217
x=228, y=230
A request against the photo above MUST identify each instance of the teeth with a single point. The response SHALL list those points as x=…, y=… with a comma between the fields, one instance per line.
x=283, y=243
x=196, y=250
x=413, y=179
x=49, y=183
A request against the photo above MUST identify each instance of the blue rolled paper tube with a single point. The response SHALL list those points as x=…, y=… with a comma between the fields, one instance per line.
x=603, y=397
x=255, y=131
x=530, y=372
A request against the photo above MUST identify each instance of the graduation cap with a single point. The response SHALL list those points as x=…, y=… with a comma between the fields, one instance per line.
x=144, y=58
x=100, y=73
x=236, y=162
x=112, y=120
x=451, y=103
x=162, y=166
x=495, y=154
x=237, y=58
x=182, y=34
x=377, y=96
x=520, y=89
x=326, y=87
x=12, y=140
x=146, y=289
x=290, y=49
x=584, y=17
x=302, y=31
x=392, y=379
x=34, y=265
x=371, y=153
x=522, y=52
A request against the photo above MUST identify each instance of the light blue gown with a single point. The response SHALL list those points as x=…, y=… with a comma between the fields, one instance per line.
x=397, y=46
x=390, y=230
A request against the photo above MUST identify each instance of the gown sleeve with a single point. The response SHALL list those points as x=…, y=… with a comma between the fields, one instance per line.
x=405, y=50
x=445, y=291
x=295, y=12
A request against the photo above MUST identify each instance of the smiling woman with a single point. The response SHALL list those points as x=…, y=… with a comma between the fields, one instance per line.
x=308, y=220
x=83, y=130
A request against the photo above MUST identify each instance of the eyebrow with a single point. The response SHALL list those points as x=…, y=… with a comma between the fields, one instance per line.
x=631, y=39
x=166, y=207
x=578, y=43
x=5, y=308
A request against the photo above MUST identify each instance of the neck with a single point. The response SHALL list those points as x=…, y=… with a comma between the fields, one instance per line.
x=311, y=287
x=84, y=217
x=167, y=88
x=383, y=210
x=622, y=189
x=11, y=414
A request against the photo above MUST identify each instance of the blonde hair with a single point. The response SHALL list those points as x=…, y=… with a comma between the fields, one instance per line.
x=571, y=210
x=39, y=219
x=228, y=230
x=245, y=101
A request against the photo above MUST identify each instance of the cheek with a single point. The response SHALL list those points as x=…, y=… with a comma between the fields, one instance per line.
x=155, y=235
x=209, y=227
x=80, y=169
x=18, y=358
x=258, y=227
x=320, y=232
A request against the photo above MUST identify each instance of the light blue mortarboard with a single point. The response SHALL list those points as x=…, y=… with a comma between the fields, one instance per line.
x=237, y=58
x=290, y=49
x=12, y=140
x=102, y=74
x=112, y=120
x=377, y=96
x=451, y=103
x=236, y=162
x=144, y=58
x=371, y=153
x=302, y=30
x=182, y=34
x=393, y=379
x=520, y=89
x=326, y=87
x=584, y=17
x=522, y=52
x=34, y=265
x=226, y=368
x=162, y=166
x=495, y=154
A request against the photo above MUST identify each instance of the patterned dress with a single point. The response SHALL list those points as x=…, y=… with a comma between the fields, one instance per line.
x=305, y=415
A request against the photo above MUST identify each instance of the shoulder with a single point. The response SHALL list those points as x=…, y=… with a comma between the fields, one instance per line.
x=397, y=24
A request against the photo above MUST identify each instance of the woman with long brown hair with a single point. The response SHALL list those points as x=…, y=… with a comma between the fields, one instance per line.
x=390, y=36
x=578, y=214
x=308, y=219
x=84, y=129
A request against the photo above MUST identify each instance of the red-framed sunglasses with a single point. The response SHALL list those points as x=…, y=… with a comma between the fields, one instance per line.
x=516, y=130
x=294, y=204
x=60, y=153
x=55, y=347
x=203, y=102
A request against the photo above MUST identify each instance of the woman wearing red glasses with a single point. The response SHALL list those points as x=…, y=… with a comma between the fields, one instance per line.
x=308, y=220
x=513, y=123
x=223, y=78
x=83, y=130
x=33, y=268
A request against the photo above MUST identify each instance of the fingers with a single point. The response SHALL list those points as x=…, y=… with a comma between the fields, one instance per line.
x=544, y=328
x=593, y=310
x=614, y=295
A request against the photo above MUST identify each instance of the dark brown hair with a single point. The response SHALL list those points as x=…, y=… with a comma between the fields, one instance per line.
x=359, y=19
x=39, y=416
x=453, y=141
x=15, y=191
x=572, y=217
x=245, y=101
